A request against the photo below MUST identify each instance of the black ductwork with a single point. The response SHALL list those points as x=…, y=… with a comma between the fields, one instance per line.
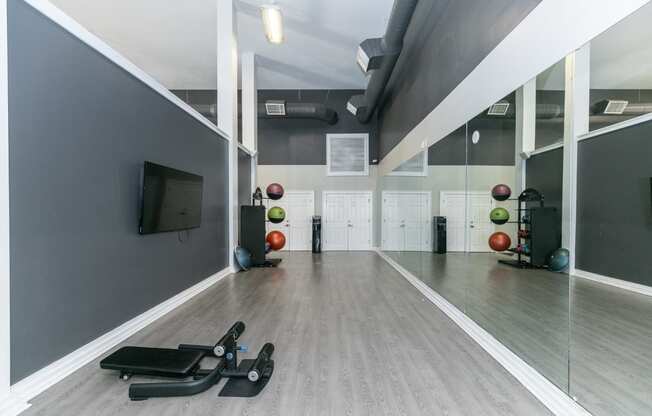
x=363, y=106
x=314, y=111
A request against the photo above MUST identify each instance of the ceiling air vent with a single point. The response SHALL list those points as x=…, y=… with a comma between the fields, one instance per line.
x=498, y=109
x=275, y=107
x=615, y=107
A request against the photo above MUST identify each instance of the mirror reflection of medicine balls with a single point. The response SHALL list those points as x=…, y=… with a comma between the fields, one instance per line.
x=499, y=216
x=499, y=241
x=501, y=192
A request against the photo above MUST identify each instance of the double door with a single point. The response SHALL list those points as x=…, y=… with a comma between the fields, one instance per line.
x=347, y=220
x=468, y=227
x=407, y=220
x=299, y=208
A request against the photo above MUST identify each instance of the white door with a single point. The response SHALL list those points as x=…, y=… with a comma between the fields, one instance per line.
x=467, y=220
x=360, y=221
x=480, y=226
x=393, y=238
x=347, y=220
x=406, y=221
x=453, y=207
x=299, y=208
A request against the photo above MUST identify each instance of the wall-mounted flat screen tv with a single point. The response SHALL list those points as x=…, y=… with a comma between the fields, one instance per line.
x=170, y=199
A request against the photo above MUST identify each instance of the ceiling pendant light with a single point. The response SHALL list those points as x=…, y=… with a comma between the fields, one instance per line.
x=273, y=23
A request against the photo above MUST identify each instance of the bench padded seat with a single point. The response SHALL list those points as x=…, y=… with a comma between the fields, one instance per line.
x=163, y=362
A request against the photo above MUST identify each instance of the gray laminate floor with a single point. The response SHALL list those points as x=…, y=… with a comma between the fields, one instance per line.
x=590, y=339
x=352, y=338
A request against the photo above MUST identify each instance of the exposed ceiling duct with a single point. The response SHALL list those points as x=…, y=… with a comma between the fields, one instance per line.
x=505, y=109
x=621, y=107
x=380, y=56
x=281, y=109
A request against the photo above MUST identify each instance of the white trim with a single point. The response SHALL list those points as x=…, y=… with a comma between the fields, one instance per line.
x=526, y=115
x=370, y=193
x=227, y=103
x=249, y=101
x=254, y=174
x=364, y=136
x=552, y=29
x=32, y=385
x=547, y=148
x=576, y=122
x=73, y=27
x=612, y=281
x=247, y=151
x=550, y=395
x=616, y=126
x=6, y=405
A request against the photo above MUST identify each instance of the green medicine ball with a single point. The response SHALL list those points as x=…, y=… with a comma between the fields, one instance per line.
x=499, y=216
x=276, y=215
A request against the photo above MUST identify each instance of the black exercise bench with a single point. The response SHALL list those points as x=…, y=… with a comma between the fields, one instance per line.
x=245, y=380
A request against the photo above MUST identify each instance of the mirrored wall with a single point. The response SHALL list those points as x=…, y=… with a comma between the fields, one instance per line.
x=482, y=218
x=476, y=234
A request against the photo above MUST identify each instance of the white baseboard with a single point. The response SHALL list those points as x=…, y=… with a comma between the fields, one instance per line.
x=29, y=387
x=558, y=402
x=11, y=405
x=612, y=281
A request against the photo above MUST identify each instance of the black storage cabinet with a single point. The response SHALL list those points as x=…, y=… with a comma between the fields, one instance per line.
x=252, y=231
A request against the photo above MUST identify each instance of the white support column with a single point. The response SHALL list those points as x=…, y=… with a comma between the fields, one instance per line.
x=5, y=353
x=576, y=123
x=249, y=102
x=9, y=404
x=526, y=114
x=227, y=103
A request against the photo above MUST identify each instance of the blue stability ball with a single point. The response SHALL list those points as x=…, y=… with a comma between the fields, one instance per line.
x=243, y=257
x=558, y=260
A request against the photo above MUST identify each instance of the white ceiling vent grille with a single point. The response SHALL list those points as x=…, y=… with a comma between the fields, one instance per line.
x=615, y=107
x=275, y=107
x=416, y=166
x=347, y=154
x=498, y=109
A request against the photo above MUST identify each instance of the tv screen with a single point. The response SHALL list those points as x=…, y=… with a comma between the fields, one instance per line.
x=171, y=199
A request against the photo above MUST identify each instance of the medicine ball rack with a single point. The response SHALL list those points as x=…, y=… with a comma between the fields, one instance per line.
x=246, y=379
x=539, y=230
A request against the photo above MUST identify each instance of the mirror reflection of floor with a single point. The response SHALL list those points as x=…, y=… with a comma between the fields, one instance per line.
x=549, y=320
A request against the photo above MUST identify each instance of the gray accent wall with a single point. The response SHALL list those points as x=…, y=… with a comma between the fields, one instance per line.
x=496, y=146
x=445, y=41
x=80, y=129
x=614, y=204
x=244, y=178
x=544, y=172
x=303, y=142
